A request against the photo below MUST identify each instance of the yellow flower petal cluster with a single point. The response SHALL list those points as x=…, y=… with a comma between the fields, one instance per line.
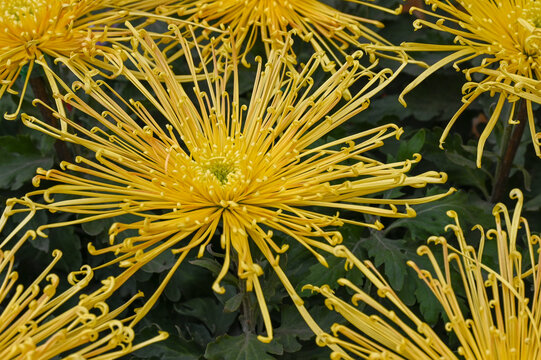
x=503, y=40
x=502, y=319
x=197, y=163
x=81, y=29
x=325, y=28
x=35, y=323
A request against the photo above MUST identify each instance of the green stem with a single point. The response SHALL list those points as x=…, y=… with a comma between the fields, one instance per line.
x=509, y=151
x=247, y=318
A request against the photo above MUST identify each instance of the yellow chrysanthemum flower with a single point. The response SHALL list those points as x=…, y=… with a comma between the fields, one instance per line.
x=82, y=30
x=504, y=304
x=34, y=321
x=505, y=36
x=210, y=164
x=326, y=29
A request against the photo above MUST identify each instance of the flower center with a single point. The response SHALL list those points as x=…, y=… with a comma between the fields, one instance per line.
x=220, y=169
x=14, y=9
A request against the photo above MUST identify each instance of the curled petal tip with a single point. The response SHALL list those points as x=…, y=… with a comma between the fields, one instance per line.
x=218, y=289
x=516, y=194
x=264, y=339
x=402, y=101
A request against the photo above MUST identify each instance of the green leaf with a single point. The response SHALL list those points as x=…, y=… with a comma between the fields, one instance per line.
x=102, y=226
x=97, y=227
x=68, y=242
x=41, y=243
x=242, y=347
x=432, y=217
x=173, y=290
x=233, y=303
x=209, y=311
x=387, y=108
x=160, y=263
x=458, y=161
x=173, y=348
x=292, y=328
x=214, y=267
x=37, y=220
x=428, y=100
x=391, y=253
x=189, y=281
x=19, y=161
x=320, y=275
x=411, y=146
x=428, y=304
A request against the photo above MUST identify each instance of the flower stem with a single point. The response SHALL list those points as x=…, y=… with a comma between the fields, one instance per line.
x=40, y=92
x=509, y=147
x=247, y=318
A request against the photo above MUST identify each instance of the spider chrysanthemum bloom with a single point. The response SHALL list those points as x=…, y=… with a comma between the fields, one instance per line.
x=501, y=319
x=81, y=29
x=213, y=165
x=325, y=28
x=36, y=322
x=503, y=38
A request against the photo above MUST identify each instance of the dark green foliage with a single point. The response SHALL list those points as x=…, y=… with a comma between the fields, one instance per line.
x=246, y=347
x=19, y=161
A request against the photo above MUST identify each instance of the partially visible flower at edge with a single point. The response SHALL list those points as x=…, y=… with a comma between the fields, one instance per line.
x=504, y=304
x=328, y=30
x=32, y=324
x=82, y=30
x=505, y=37
x=220, y=163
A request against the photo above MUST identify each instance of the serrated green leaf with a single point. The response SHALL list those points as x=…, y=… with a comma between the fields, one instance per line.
x=320, y=275
x=292, y=328
x=432, y=217
x=242, y=347
x=461, y=160
x=527, y=177
x=391, y=254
